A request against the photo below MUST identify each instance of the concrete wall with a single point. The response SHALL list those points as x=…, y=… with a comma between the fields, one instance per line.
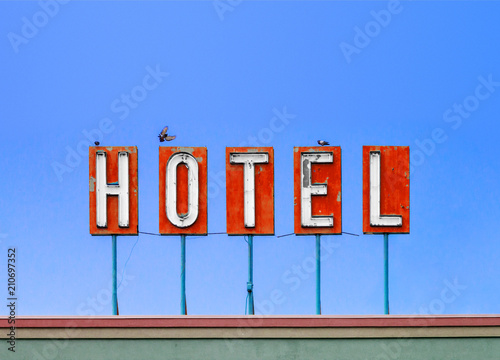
x=259, y=349
x=220, y=338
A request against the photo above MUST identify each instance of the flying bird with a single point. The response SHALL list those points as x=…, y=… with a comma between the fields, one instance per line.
x=96, y=143
x=323, y=142
x=164, y=136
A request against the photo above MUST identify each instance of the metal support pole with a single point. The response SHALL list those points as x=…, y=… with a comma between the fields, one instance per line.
x=250, y=276
x=113, y=252
x=386, y=274
x=183, y=275
x=318, y=274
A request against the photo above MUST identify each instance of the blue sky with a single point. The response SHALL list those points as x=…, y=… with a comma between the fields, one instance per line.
x=423, y=74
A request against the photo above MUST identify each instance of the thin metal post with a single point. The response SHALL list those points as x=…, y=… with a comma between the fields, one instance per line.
x=183, y=275
x=318, y=274
x=250, y=276
x=113, y=252
x=386, y=274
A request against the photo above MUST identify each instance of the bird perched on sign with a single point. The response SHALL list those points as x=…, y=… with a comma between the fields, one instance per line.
x=323, y=142
x=164, y=136
x=96, y=143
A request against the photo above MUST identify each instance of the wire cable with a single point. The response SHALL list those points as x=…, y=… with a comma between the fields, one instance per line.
x=126, y=262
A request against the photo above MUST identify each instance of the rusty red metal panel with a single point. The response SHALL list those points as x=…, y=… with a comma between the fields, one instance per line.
x=112, y=204
x=322, y=205
x=200, y=226
x=264, y=194
x=394, y=187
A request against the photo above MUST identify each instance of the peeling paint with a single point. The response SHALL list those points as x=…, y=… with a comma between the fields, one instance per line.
x=183, y=149
x=306, y=173
x=339, y=196
x=92, y=184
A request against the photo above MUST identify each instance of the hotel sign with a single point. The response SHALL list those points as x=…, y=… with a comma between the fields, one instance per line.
x=183, y=191
x=250, y=191
x=113, y=190
x=386, y=189
x=317, y=190
x=317, y=171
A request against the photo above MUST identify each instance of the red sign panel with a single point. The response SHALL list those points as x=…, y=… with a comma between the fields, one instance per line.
x=183, y=190
x=250, y=191
x=317, y=190
x=386, y=189
x=113, y=190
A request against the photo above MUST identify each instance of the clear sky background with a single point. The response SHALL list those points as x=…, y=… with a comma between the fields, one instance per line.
x=229, y=71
